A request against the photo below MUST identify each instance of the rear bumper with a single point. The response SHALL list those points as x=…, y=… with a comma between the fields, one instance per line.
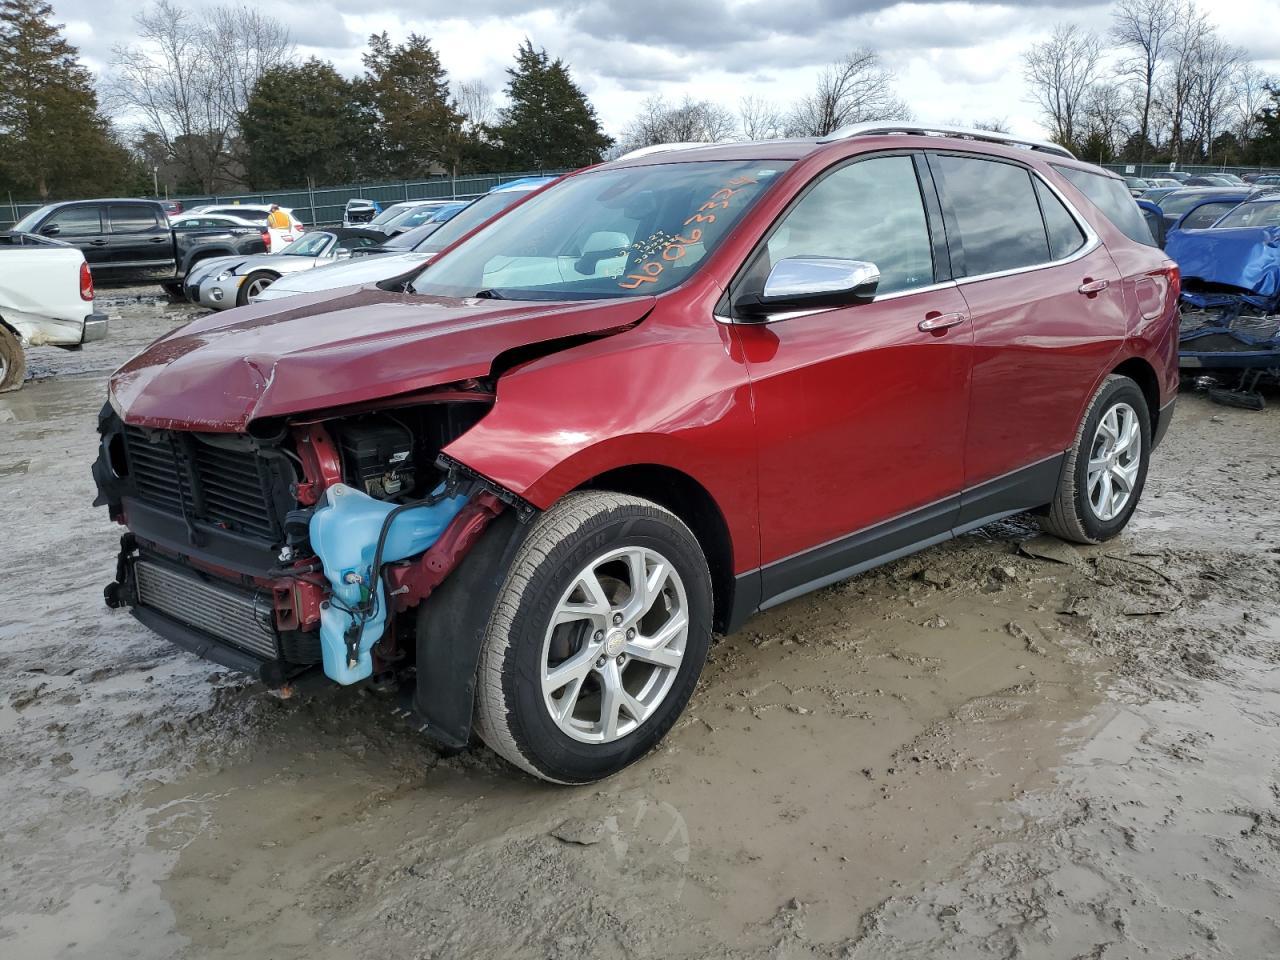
x=95, y=328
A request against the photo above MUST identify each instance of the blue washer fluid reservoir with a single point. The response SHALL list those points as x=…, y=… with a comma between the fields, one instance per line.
x=344, y=534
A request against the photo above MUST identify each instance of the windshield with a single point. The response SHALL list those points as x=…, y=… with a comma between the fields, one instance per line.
x=610, y=233
x=1266, y=214
x=415, y=217
x=410, y=239
x=28, y=223
x=312, y=245
x=393, y=211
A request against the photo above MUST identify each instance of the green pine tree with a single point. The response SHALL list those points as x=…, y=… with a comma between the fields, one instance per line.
x=406, y=91
x=303, y=122
x=53, y=139
x=550, y=123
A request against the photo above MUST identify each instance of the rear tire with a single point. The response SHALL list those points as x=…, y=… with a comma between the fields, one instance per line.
x=254, y=284
x=13, y=362
x=1106, y=467
x=581, y=674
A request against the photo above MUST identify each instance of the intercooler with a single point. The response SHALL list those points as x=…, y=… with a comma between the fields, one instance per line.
x=242, y=618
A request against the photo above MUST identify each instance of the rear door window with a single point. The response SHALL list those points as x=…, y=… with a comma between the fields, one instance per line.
x=870, y=210
x=1065, y=235
x=128, y=218
x=995, y=214
x=1111, y=197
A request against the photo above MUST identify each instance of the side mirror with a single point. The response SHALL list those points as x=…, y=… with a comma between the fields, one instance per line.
x=801, y=283
x=342, y=253
x=50, y=230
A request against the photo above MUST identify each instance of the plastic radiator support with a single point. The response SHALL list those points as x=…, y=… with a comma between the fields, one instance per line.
x=344, y=535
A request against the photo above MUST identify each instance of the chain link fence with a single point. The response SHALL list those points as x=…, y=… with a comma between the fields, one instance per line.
x=324, y=206
x=1162, y=169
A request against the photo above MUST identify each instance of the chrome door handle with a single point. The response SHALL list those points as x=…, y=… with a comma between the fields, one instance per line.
x=940, y=321
x=1093, y=286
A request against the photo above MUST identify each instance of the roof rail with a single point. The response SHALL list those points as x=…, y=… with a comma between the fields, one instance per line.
x=659, y=148
x=942, y=130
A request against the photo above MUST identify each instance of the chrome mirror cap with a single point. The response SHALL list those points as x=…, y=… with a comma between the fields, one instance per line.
x=804, y=278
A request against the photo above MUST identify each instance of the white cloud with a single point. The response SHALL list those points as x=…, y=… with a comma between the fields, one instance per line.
x=954, y=60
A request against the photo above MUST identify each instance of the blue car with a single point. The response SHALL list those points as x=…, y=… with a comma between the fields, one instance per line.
x=1231, y=288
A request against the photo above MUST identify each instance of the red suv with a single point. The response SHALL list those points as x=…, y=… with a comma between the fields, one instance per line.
x=655, y=397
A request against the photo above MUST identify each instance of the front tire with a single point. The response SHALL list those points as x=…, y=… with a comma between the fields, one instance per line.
x=1106, y=467
x=597, y=638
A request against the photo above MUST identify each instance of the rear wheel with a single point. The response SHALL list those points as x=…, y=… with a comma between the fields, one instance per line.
x=253, y=285
x=1106, y=468
x=597, y=639
x=13, y=362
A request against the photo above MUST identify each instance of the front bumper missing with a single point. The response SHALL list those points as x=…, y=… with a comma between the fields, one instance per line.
x=214, y=619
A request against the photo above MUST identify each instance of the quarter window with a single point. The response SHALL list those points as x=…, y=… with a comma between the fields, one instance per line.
x=870, y=210
x=996, y=214
x=1112, y=197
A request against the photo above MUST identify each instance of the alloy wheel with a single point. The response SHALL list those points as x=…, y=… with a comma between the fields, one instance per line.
x=1114, y=459
x=614, y=645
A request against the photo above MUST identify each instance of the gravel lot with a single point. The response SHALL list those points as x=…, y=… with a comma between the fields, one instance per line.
x=1004, y=747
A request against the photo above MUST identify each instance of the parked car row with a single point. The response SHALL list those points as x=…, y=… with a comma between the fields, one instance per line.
x=528, y=466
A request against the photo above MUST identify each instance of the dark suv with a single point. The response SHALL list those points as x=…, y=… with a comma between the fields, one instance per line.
x=647, y=401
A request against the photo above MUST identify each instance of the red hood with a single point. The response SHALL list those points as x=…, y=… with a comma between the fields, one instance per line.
x=308, y=353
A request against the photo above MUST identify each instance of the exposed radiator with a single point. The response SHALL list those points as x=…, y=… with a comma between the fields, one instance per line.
x=238, y=617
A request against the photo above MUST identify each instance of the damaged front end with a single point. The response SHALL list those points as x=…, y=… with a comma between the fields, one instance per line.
x=296, y=544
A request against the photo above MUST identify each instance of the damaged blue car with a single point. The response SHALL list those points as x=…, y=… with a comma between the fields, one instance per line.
x=1231, y=290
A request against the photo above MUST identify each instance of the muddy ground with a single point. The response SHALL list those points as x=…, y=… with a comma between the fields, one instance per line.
x=999, y=748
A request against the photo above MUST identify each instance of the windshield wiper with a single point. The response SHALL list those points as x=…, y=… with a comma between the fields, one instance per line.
x=489, y=294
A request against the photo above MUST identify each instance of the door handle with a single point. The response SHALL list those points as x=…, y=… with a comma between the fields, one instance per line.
x=1090, y=287
x=158, y=239
x=941, y=321
x=97, y=243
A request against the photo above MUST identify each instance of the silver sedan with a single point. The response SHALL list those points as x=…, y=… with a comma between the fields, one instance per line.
x=224, y=282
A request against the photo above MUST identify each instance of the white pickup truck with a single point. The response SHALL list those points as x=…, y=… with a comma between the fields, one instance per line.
x=46, y=298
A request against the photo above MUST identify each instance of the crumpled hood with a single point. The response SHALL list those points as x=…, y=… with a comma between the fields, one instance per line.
x=1243, y=257
x=317, y=351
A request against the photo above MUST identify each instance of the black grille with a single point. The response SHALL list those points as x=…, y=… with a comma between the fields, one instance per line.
x=227, y=488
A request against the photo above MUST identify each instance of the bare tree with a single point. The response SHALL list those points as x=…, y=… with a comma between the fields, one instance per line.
x=1107, y=112
x=853, y=90
x=1141, y=28
x=760, y=119
x=1215, y=92
x=1060, y=72
x=189, y=78
x=690, y=121
x=992, y=125
x=1179, y=88
x=1251, y=94
x=474, y=100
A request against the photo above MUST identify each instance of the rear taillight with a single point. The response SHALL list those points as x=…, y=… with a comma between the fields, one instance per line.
x=266, y=238
x=86, y=282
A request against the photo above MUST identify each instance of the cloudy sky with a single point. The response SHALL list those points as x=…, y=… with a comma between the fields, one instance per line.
x=955, y=61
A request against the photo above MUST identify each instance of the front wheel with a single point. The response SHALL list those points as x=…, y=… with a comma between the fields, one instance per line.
x=597, y=638
x=253, y=285
x=1106, y=467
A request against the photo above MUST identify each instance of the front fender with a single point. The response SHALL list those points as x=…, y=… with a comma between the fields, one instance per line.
x=672, y=396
